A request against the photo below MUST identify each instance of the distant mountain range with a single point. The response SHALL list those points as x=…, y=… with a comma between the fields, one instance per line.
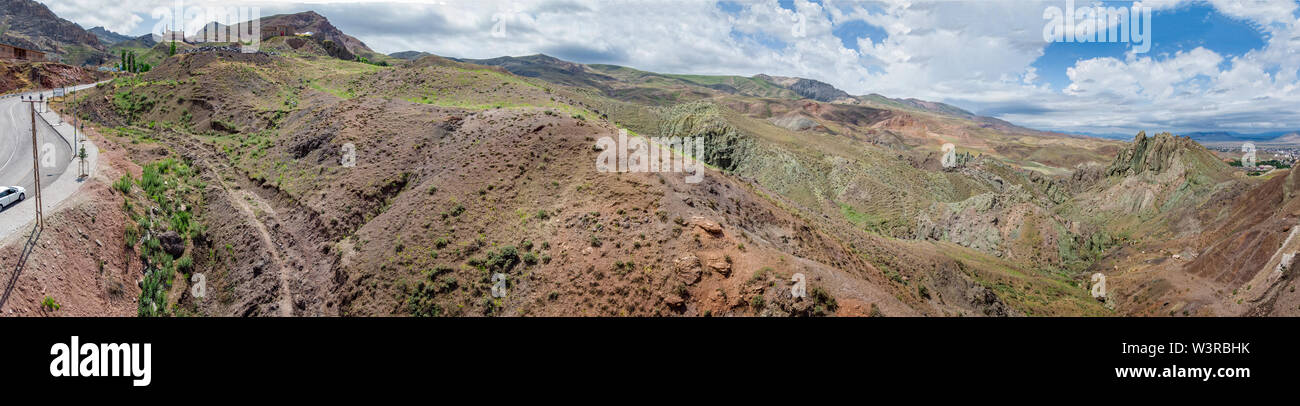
x=575, y=74
x=114, y=41
x=1290, y=138
x=28, y=23
x=1276, y=137
x=108, y=38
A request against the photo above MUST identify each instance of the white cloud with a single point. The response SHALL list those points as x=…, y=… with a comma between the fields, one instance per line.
x=1264, y=12
x=119, y=18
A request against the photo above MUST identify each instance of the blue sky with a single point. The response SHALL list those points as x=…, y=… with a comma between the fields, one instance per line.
x=1213, y=65
x=1180, y=29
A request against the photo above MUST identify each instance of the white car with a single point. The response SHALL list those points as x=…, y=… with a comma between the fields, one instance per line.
x=11, y=195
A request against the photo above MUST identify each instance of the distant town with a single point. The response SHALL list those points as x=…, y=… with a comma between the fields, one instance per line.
x=1267, y=158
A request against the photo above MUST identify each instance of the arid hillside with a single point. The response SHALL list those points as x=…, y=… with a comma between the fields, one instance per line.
x=438, y=198
x=299, y=183
x=463, y=171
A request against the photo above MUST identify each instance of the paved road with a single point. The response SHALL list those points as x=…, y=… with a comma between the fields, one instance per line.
x=16, y=145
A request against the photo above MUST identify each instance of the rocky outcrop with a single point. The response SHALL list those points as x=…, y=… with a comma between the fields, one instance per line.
x=334, y=49
x=1291, y=186
x=1161, y=174
x=794, y=123
x=724, y=146
x=709, y=226
x=951, y=282
x=808, y=88
x=818, y=91
x=320, y=27
x=1153, y=154
x=972, y=223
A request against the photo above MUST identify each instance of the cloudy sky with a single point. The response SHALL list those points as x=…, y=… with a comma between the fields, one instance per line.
x=1213, y=65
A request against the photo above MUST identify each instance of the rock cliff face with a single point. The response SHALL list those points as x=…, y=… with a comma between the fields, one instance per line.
x=724, y=146
x=320, y=27
x=1162, y=174
x=29, y=24
x=808, y=88
x=794, y=122
x=819, y=91
x=1154, y=154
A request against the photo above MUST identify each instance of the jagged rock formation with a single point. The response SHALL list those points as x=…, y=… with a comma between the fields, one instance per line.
x=808, y=88
x=1155, y=154
x=1160, y=174
x=320, y=27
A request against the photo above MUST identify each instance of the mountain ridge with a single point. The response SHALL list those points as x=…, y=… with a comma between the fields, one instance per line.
x=30, y=24
x=108, y=38
x=538, y=65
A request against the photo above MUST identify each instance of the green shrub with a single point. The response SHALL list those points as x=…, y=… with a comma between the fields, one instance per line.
x=422, y=300
x=181, y=222
x=823, y=302
x=49, y=304
x=503, y=259
x=123, y=184
x=132, y=234
x=185, y=264
x=197, y=231
x=153, y=293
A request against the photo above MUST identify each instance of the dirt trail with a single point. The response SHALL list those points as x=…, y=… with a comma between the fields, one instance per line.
x=288, y=242
x=242, y=200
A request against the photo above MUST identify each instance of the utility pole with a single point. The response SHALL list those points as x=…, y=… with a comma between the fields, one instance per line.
x=36, y=163
x=76, y=139
x=73, y=101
